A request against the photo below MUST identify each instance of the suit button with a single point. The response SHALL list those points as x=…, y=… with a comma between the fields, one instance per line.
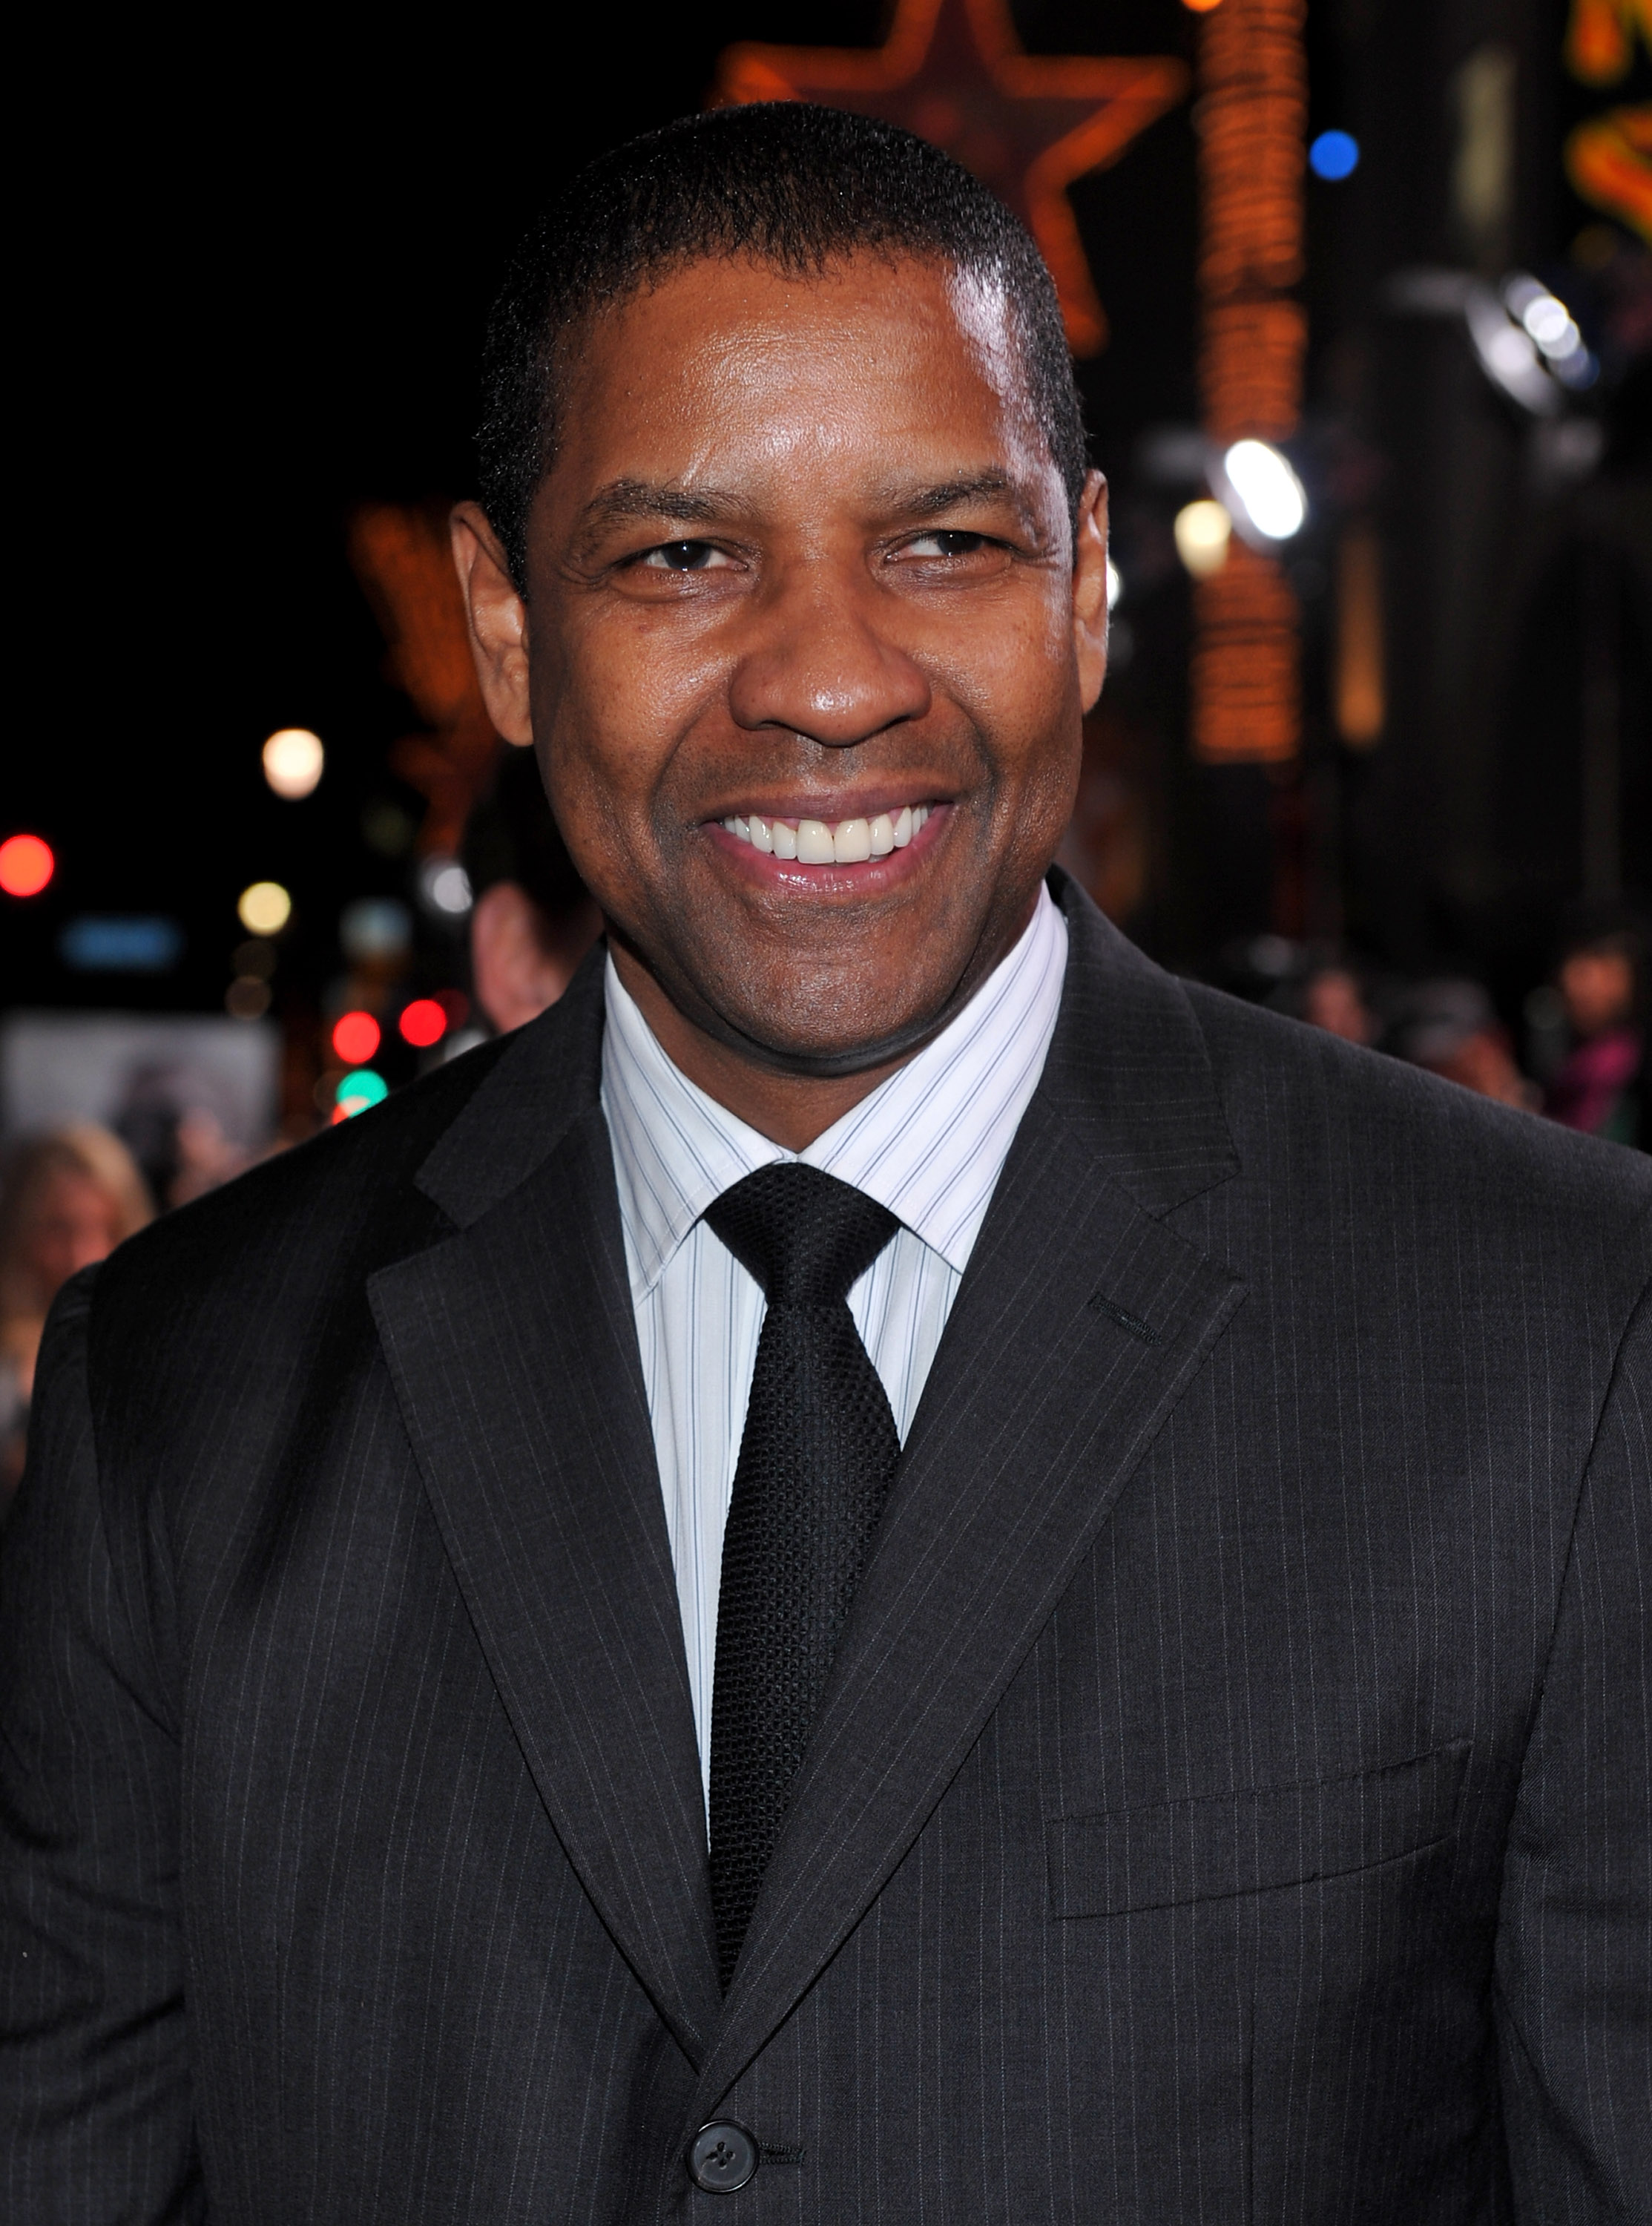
x=723, y=2156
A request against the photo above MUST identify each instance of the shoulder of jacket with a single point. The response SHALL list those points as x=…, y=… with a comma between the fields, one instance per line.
x=1273, y=1072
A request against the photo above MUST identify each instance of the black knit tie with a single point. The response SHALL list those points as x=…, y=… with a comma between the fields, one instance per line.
x=816, y=1460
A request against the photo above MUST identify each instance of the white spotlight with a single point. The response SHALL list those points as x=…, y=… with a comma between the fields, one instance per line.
x=1507, y=354
x=1115, y=584
x=1269, y=490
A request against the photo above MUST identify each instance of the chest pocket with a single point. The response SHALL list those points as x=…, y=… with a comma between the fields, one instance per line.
x=1271, y=1835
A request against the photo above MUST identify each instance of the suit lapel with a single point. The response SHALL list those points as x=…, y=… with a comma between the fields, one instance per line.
x=1080, y=1322
x=512, y=1350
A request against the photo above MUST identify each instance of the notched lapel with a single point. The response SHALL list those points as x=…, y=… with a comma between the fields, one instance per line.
x=513, y=1352
x=1039, y=1407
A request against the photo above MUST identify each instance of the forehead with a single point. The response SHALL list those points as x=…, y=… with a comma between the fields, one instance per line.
x=736, y=359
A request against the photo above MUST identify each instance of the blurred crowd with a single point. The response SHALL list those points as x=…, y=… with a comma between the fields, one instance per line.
x=1583, y=1058
x=68, y=1196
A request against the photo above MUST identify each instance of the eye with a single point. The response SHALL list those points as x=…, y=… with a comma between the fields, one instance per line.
x=945, y=545
x=684, y=557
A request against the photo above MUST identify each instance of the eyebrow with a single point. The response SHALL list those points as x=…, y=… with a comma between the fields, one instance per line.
x=623, y=499
x=948, y=494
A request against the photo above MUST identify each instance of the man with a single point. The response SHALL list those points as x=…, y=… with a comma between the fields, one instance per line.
x=892, y=1567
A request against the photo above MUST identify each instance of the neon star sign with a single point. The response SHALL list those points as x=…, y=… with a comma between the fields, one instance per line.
x=955, y=73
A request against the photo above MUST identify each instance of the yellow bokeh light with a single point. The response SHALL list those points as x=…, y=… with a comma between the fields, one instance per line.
x=265, y=908
x=292, y=763
x=1201, y=531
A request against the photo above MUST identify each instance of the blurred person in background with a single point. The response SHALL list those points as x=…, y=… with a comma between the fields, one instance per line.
x=533, y=920
x=1600, y=1087
x=172, y=1118
x=1334, y=1000
x=1450, y=1028
x=66, y=1199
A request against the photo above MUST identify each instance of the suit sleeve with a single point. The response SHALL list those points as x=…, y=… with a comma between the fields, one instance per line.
x=95, y=2113
x=1574, y=1948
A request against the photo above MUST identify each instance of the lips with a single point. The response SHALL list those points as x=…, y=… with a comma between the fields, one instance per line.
x=829, y=843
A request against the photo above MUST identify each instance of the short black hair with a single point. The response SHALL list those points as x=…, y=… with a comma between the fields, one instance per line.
x=784, y=183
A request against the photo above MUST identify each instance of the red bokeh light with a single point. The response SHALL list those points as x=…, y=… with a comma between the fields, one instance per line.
x=355, y=1038
x=456, y=1005
x=26, y=865
x=422, y=1023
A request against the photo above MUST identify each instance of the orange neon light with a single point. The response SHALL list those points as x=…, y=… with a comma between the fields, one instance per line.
x=1609, y=161
x=953, y=72
x=1600, y=38
x=401, y=556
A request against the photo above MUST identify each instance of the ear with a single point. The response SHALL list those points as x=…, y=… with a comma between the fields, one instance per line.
x=498, y=621
x=1090, y=589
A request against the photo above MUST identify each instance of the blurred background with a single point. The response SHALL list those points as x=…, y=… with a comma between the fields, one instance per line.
x=1360, y=299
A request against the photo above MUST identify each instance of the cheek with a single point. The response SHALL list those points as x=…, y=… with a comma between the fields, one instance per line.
x=624, y=693
x=1015, y=675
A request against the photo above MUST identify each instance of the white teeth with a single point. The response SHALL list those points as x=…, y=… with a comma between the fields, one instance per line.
x=816, y=843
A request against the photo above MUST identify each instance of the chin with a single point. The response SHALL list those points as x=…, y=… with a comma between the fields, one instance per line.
x=834, y=1042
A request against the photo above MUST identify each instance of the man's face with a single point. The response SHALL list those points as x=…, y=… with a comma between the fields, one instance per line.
x=801, y=587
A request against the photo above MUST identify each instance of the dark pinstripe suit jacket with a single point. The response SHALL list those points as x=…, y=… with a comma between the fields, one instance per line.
x=1231, y=1803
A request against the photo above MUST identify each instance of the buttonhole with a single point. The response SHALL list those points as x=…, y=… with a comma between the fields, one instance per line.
x=779, y=2155
x=1126, y=1321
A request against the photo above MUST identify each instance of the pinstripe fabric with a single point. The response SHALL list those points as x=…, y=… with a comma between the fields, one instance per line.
x=1232, y=1801
x=927, y=1143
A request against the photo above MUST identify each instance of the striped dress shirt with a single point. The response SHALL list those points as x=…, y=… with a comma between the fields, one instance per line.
x=928, y=1144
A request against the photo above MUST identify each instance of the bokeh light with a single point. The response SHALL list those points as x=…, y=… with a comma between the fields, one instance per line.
x=356, y=1038
x=1202, y=531
x=1269, y=489
x=360, y=1089
x=444, y=887
x=292, y=763
x=422, y=1023
x=265, y=908
x=375, y=931
x=1201, y=7
x=26, y=865
x=1334, y=154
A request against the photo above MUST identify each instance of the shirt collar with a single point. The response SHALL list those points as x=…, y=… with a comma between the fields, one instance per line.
x=928, y=1143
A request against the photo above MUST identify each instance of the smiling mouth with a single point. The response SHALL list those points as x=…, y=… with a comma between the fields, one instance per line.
x=829, y=843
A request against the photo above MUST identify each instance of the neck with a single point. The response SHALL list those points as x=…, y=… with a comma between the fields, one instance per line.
x=791, y=1110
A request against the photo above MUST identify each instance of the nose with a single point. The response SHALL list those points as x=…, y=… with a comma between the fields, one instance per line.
x=820, y=665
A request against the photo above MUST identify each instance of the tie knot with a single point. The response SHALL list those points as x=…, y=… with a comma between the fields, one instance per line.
x=805, y=1235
